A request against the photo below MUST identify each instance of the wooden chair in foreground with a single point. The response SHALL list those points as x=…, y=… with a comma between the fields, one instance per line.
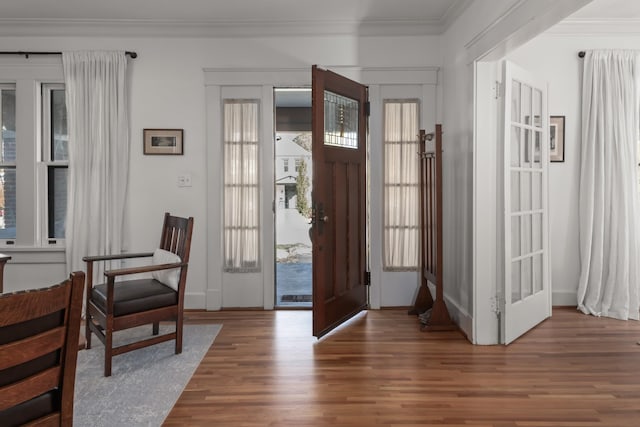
x=38, y=352
x=114, y=306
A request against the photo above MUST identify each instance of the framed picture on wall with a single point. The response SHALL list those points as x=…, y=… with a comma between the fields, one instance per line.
x=163, y=141
x=556, y=138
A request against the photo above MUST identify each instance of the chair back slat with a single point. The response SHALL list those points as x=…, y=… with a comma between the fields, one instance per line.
x=32, y=304
x=176, y=235
x=31, y=348
x=30, y=388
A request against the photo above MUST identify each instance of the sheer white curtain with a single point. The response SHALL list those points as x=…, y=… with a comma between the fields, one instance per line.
x=401, y=185
x=96, y=94
x=609, y=213
x=241, y=186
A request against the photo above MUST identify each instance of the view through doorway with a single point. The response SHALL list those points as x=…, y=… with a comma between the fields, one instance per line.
x=292, y=206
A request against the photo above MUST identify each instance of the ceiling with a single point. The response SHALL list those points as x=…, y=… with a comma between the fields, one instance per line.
x=235, y=17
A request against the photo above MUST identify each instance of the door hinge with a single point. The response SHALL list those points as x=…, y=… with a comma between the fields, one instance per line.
x=498, y=90
x=367, y=108
x=367, y=278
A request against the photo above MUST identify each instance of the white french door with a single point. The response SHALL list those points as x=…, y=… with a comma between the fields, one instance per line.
x=527, y=293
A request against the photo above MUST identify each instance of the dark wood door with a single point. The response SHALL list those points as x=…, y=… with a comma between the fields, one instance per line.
x=339, y=199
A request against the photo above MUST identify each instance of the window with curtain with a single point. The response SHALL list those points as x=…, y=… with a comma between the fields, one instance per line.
x=401, y=184
x=241, y=186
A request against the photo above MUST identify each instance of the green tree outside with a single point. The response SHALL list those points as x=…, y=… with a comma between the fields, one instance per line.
x=302, y=187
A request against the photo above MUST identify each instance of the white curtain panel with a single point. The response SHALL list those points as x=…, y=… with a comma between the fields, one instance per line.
x=96, y=93
x=401, y=186
x=609, y=213
x=241, y=186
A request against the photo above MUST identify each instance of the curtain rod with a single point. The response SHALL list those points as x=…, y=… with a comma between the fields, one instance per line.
x=27, y=53
x=581, y=54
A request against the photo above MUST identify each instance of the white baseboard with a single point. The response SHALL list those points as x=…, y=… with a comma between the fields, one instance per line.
x=564, y=298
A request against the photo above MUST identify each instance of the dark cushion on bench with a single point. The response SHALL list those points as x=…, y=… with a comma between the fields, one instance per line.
x=134, y=296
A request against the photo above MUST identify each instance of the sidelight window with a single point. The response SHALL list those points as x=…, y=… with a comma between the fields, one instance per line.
x=241, y=186
x=401, y=184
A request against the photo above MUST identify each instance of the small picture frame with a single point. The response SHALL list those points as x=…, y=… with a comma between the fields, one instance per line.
x=163, y=141
x=556, y=138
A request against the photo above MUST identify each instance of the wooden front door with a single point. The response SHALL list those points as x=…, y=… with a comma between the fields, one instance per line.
x=339, y=199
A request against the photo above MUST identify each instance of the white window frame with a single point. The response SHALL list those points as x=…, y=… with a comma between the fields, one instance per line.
x=44, y=160
x=28, y=75
x=14, y=164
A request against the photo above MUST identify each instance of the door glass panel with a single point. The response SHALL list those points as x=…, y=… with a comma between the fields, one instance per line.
x=537, y=108
x=527, y=283
x=525, y=222
x=536, y=232
x=536, y=191
x=515, y=102
x=516, y=143
x=536, y=149
x=340, y=120
x=515, y=281
x=537, y=273
x=528, y=149
x=515, y=236
x=525, y=191
x=515, y=192
x=526, y=104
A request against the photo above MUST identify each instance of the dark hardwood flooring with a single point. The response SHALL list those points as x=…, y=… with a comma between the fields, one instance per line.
x=265, y=369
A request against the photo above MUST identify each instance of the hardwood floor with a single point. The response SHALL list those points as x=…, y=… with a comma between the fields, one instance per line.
x=264, y=369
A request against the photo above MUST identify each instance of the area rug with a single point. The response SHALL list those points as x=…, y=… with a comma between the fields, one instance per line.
x=144, y=384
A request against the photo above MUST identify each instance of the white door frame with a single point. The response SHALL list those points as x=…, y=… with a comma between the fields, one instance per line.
x=220, y=288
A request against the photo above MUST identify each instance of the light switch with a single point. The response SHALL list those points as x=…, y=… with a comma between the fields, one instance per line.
x=184, y=180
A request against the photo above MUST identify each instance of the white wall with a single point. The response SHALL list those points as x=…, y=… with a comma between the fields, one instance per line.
x=458, y=107
x=167, y=91
x=562, y=69
x=471, y=273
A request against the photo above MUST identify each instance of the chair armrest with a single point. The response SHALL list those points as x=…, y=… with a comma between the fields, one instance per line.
x=117, y=256
x=143, y=269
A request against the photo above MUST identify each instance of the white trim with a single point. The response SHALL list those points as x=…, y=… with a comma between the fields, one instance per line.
x=521, y=22
x=217, y=81
x=293, y=77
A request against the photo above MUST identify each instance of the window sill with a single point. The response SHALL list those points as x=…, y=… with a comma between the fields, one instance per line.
x=34, y=255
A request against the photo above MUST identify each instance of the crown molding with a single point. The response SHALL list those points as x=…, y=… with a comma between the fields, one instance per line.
x=172, y=28
x=456, y=9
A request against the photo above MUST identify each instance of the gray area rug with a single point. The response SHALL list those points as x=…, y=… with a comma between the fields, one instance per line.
x=145, y=383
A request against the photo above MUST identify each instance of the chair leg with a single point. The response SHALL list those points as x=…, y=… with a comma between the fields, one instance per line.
x=87, y=331
x=108, y=351
x=156, y=328
x=179, y=322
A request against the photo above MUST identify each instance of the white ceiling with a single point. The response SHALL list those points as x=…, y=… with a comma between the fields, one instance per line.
x=267, y=16
x=256, y=17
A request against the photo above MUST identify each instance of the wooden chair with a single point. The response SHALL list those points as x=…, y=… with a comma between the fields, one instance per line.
x=39, y=332
x=114, y=306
